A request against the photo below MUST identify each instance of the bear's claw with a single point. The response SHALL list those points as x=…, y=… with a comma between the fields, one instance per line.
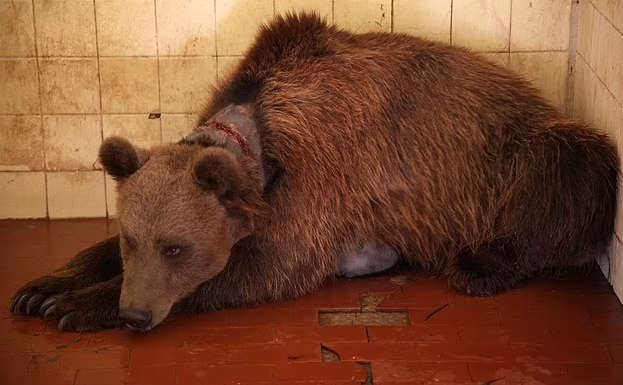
x=46, y=305
x=17, y=304
x=32, y=303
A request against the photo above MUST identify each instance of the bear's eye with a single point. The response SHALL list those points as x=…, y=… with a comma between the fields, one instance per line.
x=172, y=251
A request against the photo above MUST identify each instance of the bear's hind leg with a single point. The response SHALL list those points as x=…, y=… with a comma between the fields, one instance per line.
x=490, y=270
x=98, y=263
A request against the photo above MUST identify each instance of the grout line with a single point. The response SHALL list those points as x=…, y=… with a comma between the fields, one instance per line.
x=41, y=130
x=594, y=72
x=605, y=17
x=391, y=25
x=158, y=69
x=101, y=115
x=104, y=113
x=216, y=44
x=57, y=171
x=574, y=26
x=510, y=29
x=75, y=57
x=451, y=19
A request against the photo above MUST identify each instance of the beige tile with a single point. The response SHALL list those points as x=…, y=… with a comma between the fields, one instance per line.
x=226, y=65
x=71, y=141
x=20, y=77
x=129, y=85
x=69, y=86
x=595, y=41
x=138, y=129
x=585, y=92
x=363, y=15
x=613, y=62
x=22, y=195
x=79, y=194
x=585, y=28
x=111, y=197
x=424, y=18
x=186, y=27
x=17, y=32
x=614, y=118
x=21, y=143
x=546, y=70
x=126, y=28
x=540, y=25
x=500, y=58
x=600, y=106
x=612, y=10
x=185, y=83
x=601, y=45
x=483, y=25
x=237, y=23
x=612, y=112
x=65, y=27
x=322, y=7
x=176, y=126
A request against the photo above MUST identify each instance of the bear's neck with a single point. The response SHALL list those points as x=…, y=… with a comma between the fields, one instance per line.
x=234, y=129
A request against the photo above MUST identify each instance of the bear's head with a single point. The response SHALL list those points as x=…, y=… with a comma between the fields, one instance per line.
x=181, y=208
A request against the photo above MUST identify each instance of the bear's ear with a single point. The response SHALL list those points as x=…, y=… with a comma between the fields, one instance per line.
x=218, y=170
x=120, y=158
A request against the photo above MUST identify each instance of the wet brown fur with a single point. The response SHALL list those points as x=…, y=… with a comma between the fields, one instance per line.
x=458, y=164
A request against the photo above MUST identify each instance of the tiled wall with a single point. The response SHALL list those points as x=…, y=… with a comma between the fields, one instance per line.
x=598, y=91
x=75, y=71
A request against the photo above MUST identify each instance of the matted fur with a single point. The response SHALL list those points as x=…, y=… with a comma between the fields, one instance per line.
x=454, y=162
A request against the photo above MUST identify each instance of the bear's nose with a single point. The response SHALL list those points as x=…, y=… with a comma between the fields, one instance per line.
x=135, y=319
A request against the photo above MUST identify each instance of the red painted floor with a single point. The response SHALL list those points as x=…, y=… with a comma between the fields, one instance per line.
x=567, y=331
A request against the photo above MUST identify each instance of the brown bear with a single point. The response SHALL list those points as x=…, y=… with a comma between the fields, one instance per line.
x=327, y=152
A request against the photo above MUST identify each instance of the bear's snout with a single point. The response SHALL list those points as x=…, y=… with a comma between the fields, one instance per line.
x=136, y=320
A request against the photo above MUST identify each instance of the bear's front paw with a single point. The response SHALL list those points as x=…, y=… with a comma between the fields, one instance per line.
x=29, y=297
x=89, y=309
